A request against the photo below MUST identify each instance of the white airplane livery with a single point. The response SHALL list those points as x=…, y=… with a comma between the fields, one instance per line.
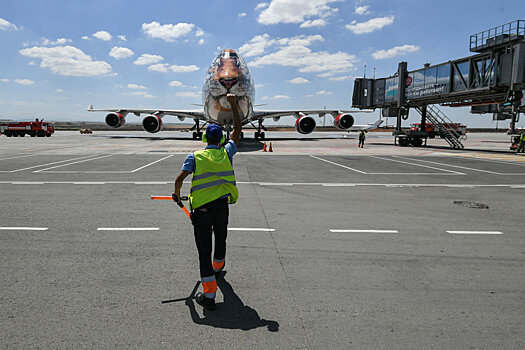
x=228, y=73
x=365, y=127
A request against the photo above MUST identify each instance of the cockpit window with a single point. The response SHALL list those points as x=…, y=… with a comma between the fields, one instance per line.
x=228, y=54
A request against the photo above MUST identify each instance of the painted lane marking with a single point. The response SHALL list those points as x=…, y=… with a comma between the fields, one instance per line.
x=457, y=166
x=147, y=165
x=28, y=183
x=30, y=155
x=128, y=229
x=340, y=165
x=24, y=228
x=475, y=232
x=79, y=161
x=251, y=229
x=365, y=231
x=424, y=166
x=42, y=165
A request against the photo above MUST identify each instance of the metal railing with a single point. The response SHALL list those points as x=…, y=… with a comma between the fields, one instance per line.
x=506, y=33
x=444, y=126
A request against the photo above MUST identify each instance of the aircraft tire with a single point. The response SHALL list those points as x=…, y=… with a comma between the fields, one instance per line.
x=256, y=135
x=262, y=135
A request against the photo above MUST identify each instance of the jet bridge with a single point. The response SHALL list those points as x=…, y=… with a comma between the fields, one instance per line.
x=490, y=81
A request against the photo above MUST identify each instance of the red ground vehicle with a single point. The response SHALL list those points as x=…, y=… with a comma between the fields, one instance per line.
x=35, y=128
x=459, y=128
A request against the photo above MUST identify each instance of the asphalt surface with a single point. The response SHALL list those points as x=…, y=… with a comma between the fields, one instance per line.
x=330, y=246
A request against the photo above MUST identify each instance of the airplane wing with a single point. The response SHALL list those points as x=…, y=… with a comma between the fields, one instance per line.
x=188, y=113
x=262, y=114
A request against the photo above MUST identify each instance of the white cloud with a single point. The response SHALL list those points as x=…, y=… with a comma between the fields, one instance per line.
x=256, y=45
x=187, y=94
x=4, y=80
x=176, y=83
x=31, y=63
x=322, y=92
x=60, y=41
x=102, y=35
x=276, y=97
x=141, y=93
x=24, y=81
x=67, y=60
x=120, y=53
x=148, y=59
x=165, y=68
x=201, y=41
x=59, y=90
x=122, y=37
x=395, y=51
x=261, y=5
x=199, y=32
x=85, y=37
x=294, y=52
x=296, y=11
x=6, y=25
x=298, y=80
x=370, y=25
x=344, y=77
x=136, y=86
x=242, y=14
x=167, y=32
x=362, y=10
x=314, y=23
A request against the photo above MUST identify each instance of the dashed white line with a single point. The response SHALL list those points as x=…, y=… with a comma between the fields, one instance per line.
x=24, y=228
x=42, y=165
x=420, y=165
x=251, y=229
x=80, y=161
x=147, y=165
x=475, y=232
x=340, y=165
x=128, y=229
x=29, y=155
x=364, y=231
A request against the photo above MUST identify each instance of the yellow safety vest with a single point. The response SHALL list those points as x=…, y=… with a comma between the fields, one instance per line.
x=213, y=178
x=523, y=136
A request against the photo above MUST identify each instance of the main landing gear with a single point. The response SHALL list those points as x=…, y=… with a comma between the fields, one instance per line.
x=260, y=134
x=197, y=135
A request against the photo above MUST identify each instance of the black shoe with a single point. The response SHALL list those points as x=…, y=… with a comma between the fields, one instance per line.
x=218, y=273
x=207, y=303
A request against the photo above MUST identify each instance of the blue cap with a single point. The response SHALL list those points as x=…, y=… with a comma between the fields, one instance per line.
x=214, y=131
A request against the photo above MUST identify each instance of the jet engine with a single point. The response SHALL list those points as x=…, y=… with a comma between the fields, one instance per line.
x=343, y=121
x=305, y=124
x=115, y=120
x=152, y=123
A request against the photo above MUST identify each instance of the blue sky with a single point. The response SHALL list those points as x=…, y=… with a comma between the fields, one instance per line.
x=60, y=56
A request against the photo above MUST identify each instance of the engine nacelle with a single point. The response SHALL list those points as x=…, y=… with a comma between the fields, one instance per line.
x=115, y=120
x=343, y=121
x=152, y=123
x=305, y=124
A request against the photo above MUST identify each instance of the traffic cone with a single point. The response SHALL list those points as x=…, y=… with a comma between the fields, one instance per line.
x=271, y=149
x=264, y=148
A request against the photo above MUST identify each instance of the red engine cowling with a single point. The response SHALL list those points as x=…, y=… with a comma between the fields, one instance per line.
x=305, y=124
x=115, y=120
x=152, y=123
x=343, y=121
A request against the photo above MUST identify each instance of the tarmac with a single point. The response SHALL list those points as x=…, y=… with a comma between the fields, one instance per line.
x=330, y=246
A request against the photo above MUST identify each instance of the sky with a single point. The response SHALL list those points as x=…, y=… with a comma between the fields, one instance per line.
x=58, y=56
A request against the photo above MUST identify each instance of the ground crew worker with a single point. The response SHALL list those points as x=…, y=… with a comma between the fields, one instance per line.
x=362, y=138
x=521, y=147
x=212, y=189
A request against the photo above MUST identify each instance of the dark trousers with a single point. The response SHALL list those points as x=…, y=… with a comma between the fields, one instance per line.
x=211, y=217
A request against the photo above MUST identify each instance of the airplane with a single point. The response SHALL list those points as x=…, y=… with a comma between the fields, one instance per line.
x=365, y=127
x=228, y=73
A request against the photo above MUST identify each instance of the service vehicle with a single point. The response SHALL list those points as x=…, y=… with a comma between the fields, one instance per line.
x=37, y=128
x=432, y=132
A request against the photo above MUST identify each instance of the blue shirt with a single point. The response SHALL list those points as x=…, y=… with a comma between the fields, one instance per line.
x=189, y=162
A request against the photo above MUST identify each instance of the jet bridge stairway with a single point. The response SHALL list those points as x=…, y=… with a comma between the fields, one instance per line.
x=444, y=126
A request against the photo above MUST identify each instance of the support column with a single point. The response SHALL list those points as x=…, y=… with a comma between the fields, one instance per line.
x=422, y=127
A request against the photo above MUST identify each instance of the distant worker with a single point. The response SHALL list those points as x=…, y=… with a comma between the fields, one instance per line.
x=213, y=187
x=362, y=138
x=521, y=147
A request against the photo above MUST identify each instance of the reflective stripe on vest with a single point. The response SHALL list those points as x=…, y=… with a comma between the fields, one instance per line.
x=213, y=178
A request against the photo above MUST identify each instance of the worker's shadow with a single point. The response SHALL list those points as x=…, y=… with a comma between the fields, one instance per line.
x=232, y=313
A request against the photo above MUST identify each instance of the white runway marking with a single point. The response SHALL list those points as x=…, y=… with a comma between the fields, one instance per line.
x=461, y=167
x=420, y=165
x=147, y=165
x=29, y=155
x=251, y=229
x=42, y=165
x=340, y=165
x=365, y=231
x=128, y=229
x=24, y=228
x=80, y=161
x=475, y=232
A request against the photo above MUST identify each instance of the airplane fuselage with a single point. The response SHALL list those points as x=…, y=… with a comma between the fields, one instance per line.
x=228, y=73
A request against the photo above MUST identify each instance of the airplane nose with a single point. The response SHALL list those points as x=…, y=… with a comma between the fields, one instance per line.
x=228, y=83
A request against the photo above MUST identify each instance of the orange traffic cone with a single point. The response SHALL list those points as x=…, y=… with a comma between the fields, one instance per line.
x=264, y=148
x=271, y=149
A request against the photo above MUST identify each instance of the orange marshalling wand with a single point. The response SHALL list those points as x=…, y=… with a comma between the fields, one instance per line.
x=166, y=198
